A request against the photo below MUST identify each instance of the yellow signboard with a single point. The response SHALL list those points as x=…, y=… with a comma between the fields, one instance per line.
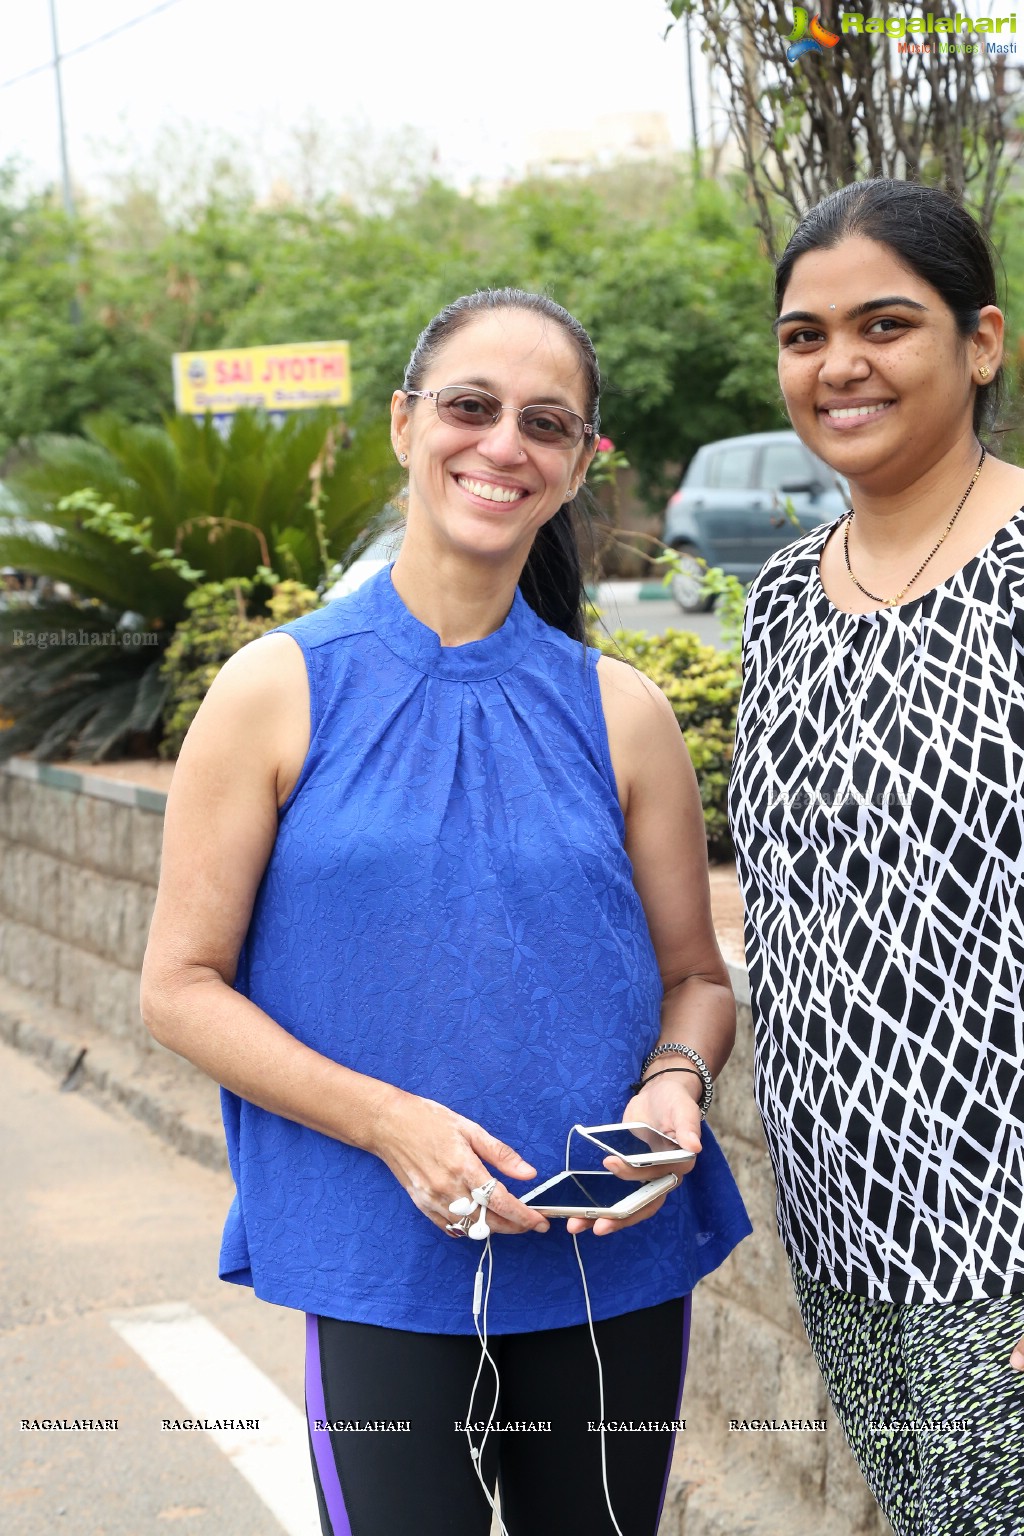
x=296, y=377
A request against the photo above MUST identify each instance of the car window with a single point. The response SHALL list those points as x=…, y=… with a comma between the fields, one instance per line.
x=786, y=464
x=731, y=469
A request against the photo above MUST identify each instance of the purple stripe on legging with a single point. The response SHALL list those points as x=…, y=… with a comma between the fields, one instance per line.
x=323, y=1453
x=687, y=1305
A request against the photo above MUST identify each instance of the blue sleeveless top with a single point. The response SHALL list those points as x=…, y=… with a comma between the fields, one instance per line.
x=448, y=907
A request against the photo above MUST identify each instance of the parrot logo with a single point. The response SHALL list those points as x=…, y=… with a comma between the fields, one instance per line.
x=820, y=37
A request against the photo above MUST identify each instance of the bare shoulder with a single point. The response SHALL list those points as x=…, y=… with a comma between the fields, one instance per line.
x=643, y=734
x=256, y=708
x=630, y=697
x=272, y=658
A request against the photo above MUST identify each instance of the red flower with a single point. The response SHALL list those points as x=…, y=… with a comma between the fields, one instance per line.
x=605, y=445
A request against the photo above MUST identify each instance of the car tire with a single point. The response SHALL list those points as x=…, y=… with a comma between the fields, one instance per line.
x=687, y=584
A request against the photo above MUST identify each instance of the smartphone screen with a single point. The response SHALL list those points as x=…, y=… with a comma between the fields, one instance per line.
x=634, y=1144
x=590, y=1191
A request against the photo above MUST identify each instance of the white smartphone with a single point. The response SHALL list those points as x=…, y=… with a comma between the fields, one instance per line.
x=588, y=1192
x=639, y=1145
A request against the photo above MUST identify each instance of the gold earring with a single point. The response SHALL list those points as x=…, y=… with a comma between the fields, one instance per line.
x=984, y=370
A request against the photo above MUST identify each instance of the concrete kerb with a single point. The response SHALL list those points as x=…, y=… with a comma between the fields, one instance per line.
x=121, y=791
x=167, y=1096
x=628, y=592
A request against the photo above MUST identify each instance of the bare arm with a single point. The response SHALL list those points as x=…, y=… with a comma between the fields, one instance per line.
x=237, y=766
x=666, y=844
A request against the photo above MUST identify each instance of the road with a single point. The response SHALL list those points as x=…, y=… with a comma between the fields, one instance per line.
x=102, y=1223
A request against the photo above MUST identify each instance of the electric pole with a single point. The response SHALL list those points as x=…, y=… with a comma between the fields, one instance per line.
x=69, y=201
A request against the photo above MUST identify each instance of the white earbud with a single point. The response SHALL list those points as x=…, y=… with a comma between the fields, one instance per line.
x=465, y=1207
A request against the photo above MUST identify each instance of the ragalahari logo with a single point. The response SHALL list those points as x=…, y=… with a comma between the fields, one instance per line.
x=800, y=43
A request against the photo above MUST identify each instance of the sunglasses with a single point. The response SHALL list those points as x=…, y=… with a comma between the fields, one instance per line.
x=550, y=425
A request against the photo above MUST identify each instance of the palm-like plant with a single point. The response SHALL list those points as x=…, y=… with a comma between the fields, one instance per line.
x=131, y=518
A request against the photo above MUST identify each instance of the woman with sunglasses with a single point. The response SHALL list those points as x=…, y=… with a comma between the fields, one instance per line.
x=877, y=805
x=449, y=901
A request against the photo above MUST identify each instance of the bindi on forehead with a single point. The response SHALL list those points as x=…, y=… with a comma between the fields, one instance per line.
x=856, y=311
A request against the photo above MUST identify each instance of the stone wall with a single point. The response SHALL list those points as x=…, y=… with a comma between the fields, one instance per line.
x=79, y=860
x=749, y=1356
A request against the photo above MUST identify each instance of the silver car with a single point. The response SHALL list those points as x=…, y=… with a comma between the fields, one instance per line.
x=730, y=509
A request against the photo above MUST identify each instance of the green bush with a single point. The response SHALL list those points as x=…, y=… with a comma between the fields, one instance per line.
x=702, y=684
x=132, y=519
x=218, y=624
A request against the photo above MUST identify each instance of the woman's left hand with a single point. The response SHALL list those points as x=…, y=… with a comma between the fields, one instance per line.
x=667, y=1104
x=1017, y=1358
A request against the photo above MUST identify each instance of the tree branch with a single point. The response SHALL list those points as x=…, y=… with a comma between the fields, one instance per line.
x=859, y=109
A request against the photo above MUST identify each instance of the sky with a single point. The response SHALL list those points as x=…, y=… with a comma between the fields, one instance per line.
x=471, y=79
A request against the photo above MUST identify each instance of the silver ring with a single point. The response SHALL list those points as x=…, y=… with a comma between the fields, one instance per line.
x=461, y=1228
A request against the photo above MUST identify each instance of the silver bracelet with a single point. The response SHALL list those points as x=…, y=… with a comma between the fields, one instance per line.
x=691, y=1055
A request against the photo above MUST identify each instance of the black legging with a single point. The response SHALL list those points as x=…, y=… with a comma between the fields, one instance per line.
x=420, y=1479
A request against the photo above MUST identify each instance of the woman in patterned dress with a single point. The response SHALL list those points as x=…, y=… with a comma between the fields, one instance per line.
x=877, y=804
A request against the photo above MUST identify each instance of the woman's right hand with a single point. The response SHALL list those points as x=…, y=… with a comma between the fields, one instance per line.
x=439, y=1156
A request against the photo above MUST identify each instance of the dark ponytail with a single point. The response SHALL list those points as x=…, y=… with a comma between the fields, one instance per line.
x=552, y=578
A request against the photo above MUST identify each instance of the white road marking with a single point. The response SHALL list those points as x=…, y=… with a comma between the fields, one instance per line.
x=212, y=1379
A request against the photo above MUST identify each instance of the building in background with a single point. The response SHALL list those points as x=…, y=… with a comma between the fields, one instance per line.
x=612, y=139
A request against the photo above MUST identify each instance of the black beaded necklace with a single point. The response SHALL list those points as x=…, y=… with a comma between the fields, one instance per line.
x=890, y=602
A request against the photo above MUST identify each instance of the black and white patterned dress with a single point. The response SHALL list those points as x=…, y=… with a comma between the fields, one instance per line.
x=877, y=805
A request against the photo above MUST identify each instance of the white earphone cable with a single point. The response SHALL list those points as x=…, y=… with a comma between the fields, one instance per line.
x=597, y=1357
x=476, y=1452
x=600, y=1387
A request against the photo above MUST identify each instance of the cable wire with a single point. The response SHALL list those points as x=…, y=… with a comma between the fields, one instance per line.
x=597, y=1355
x=125, y=26
x=477, y=1452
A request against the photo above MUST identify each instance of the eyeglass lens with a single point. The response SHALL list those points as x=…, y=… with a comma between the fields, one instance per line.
x=547, y=424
